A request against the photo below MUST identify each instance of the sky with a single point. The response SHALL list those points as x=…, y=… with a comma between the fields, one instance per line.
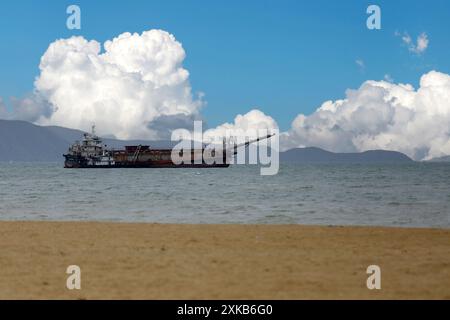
x=283, y=58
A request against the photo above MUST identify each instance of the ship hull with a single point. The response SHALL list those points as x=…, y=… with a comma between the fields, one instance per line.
x=80, y=162
x=146, y=165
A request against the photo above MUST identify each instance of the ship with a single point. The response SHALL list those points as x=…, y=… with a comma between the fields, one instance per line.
x=90, y=152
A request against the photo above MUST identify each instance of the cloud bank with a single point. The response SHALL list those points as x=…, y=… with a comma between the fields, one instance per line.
x=253, y=120
x=381, y=115
x=135, y=85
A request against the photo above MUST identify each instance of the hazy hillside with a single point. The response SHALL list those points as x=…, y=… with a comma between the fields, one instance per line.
x=24, y=141
x=71, y=135
x=317, y=155
x=440, y=159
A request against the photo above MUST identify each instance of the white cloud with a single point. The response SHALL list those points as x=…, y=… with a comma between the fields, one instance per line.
x=126, y=90
x=388, y=78
x=419, y=46
x=138, y=88
x=360, y=64
x=422, y=42
x=381, y=115
x=135, y=88
x=251, y=121
x=30, y=108
x=406, y=39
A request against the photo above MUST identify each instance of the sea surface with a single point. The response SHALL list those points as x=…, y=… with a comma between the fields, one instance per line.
x=416, y=194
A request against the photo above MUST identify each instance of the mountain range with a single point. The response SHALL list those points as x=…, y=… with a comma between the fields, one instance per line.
x=317, y=155
x=24, y=141
x=440, y=159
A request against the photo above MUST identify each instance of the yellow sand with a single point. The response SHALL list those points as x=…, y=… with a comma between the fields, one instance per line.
x=164, y=261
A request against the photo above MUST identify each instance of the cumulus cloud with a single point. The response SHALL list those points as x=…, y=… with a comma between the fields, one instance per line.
x=135, y=86
x=417, y=47
x=131, y=88
x=381, y=115
x=30, y=108
x=248, y=123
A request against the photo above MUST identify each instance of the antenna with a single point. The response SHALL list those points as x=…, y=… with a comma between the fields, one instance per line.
x=93, y=129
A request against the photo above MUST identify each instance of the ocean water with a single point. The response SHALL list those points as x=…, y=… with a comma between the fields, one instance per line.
x=416, y=194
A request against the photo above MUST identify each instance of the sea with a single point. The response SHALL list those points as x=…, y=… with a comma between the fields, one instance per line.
x=401, y=195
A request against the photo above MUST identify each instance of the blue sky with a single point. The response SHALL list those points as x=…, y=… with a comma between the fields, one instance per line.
x=284, y=57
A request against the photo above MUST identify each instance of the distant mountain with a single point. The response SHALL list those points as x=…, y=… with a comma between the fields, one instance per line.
x=24, y=141
x=317, y=155
x=72, y=135
x=440, y=159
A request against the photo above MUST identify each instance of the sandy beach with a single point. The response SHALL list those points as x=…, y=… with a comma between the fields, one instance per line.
x=164, y=261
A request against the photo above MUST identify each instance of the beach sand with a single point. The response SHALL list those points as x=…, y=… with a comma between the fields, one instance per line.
x=165, y=261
